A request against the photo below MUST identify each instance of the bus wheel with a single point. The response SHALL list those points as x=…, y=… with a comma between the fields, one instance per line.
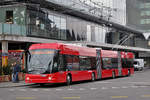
x=113, y=75
x=129, y=73
x=93, y=77
x=68, y=80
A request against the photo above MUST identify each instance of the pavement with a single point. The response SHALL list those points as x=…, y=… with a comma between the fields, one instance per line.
x=135, y=87
x=11, y=84
x=22, y=83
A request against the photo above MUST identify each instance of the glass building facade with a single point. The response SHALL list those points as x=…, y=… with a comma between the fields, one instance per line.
x=138, y=17
x=139, y=14
x=29, y=19
x=119, y=15
x=40, y=22
x=35, y=21
x=50, y=24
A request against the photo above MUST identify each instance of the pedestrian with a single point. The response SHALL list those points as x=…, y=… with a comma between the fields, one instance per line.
x=16, y=70
x=12, y=68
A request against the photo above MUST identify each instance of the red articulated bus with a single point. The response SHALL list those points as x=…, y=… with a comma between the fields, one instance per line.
x=65, y=63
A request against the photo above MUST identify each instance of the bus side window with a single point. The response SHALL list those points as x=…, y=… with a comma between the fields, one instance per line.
x=75, y=64
x=107, y=64
x=93, y=63
x=85, y=63
x=114, y=62
x=69, y=62
x=124, y=63
x=82, y=63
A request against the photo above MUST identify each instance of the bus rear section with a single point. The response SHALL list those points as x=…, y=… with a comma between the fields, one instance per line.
x=127, y=60
x=109, y=69
x=116, y=63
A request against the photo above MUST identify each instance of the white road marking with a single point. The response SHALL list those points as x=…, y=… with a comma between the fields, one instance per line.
x=59, y=89
x=34, y=90
x=93, y=88
x=103, y=82
x=134, y=86
x=115, y=87
x=124, y=87
x=46, y=89
x=22, y=90
x=70, y=89
x=104, y=88
x=81, y=89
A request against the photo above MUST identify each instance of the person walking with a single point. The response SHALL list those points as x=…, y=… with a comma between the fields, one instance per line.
x=16, y=70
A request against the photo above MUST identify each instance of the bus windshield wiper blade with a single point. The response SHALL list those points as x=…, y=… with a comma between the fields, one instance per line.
x=40, y=68
x=32, y=70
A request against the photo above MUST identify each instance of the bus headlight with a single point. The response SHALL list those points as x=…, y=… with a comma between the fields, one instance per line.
x=49, y=78
x=27, y=78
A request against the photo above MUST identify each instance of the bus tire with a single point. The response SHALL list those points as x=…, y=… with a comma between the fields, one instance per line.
x=141, y=69
x=68, y=79
x=113, y=75
x=92, y=77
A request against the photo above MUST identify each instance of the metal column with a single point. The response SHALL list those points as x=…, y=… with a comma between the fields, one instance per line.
x=4, y=53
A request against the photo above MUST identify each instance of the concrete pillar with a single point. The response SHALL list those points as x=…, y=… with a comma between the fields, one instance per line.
x=4, y=53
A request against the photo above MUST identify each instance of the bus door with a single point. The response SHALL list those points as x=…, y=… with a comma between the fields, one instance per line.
x=85, y=67
x=98, y=64
x=72, y=66
x=61, y=68
x=107, y=67
x=119, y=64
x=75, y=68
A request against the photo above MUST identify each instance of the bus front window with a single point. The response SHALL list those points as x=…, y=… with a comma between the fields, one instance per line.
x=41, y=61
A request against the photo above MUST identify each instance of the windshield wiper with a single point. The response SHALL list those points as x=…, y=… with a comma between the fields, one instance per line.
x=40, y=68
x=31, y=71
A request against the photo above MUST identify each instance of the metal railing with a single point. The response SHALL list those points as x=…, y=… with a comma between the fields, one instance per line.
x=13, y=29
x=31, y=30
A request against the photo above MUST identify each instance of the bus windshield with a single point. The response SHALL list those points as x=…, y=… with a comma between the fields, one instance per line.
x=41, y=61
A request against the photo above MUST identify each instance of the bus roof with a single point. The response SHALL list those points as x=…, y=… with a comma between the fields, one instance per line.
x=66, y=48
x=45, y=46
x=109, y=53
x=70, y=49
x=127, y=55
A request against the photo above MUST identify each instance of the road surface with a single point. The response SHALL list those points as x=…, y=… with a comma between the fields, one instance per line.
x=135, y=87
